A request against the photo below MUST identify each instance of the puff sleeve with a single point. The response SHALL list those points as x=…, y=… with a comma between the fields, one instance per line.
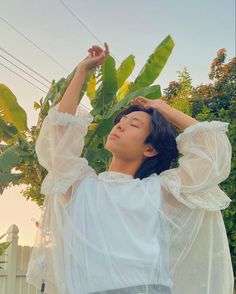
x=205, y=163
x=200, y=260
x=59, y=146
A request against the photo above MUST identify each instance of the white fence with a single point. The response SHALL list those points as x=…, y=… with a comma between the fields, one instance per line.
x=12, y=276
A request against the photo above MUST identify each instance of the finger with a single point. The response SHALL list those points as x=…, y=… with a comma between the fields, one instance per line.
x=97, y=48
x=142, y=99
x=106, y=48
x=135, y=101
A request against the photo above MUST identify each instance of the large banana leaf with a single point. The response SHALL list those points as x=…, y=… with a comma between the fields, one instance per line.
x=10, y=110
x=91, y=88
x=124, y=102
x=106, y=92
x=154, y=64
x=123, y=91
x=7, y=131
x=124, y=70
x=109, y=80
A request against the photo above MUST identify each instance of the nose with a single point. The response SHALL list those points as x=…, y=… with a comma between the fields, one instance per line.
x=120, y=125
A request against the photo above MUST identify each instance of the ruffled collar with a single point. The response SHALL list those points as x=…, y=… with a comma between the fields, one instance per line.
x=113, y=176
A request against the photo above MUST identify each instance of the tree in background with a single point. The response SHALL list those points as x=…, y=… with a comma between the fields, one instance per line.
x=179, y=93
x=213, y=101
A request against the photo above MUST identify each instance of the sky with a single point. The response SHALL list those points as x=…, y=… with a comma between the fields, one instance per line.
x=198, y=28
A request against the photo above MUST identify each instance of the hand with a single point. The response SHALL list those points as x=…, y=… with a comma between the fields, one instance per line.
x=96, y=57
x=158, y=104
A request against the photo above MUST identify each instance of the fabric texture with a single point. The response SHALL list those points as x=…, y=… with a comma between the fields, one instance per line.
x=152, y=289
x=110, y=232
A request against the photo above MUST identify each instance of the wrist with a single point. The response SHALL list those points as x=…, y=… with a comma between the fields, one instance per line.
x=81, y=68
x=162, y=106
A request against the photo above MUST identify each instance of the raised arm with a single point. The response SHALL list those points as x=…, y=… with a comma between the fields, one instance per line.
x=173, y=115
x=70, y=98
x=61, y=137
x=205, y=163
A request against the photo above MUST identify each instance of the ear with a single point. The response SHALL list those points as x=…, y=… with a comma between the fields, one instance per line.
x=150, y=151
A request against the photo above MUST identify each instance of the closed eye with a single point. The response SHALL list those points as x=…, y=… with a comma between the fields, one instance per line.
x=135, y=126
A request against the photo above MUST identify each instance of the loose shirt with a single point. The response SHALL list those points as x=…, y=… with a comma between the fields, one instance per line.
x=112, y=231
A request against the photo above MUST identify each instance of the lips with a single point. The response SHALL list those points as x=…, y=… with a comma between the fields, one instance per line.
x=114, y=135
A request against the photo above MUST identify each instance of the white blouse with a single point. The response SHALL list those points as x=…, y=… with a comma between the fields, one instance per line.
x=111, y=231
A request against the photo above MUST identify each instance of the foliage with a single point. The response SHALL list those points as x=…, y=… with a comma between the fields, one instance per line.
x=218, y=102
x=3, y=247
x=215, y=101
x=109, y=92
x=178, y=93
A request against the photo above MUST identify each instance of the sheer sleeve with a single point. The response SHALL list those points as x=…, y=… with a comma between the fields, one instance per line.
x=200, y=260
x=59, y=146
x=205, y=163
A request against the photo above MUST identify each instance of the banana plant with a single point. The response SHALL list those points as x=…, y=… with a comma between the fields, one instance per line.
x=114, y=93
x=108, y=90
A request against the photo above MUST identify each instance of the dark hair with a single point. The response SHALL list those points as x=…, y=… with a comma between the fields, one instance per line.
x=161, y=137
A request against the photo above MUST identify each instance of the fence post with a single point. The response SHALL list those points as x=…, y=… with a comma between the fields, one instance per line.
x=12, y=258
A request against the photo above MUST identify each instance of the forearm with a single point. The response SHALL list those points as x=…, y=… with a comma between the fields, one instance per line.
x=69, y=100
x=175, y=116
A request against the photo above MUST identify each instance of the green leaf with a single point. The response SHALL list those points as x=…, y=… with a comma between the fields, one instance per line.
x=7, y=131
x=155, y=95
x=106, y=92
x=3, y=247
x=10, y=158
x=154, y=64
x=128, y=98
x=91, y=87
x=109, y=81
x=125, y=69
x=10, y=110
x=7, y=178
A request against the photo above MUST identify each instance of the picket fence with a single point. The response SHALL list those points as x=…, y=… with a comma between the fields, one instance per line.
x=12, y=274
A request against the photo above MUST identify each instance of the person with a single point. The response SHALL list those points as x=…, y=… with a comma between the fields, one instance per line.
x=140, y=226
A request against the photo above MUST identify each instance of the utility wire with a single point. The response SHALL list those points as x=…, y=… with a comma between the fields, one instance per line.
x=34, y=44
x=22, y=63
x=22, y=77
x=33, y=83
x=80, y=21
x=12, y=63
x=86, y=27
x=43, y=51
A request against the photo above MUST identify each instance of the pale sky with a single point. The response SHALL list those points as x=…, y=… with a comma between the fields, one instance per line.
x=199, y=29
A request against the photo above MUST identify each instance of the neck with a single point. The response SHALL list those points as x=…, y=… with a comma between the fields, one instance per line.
x=124, y=166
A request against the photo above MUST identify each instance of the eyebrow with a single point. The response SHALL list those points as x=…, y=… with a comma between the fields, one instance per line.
x=135, y=119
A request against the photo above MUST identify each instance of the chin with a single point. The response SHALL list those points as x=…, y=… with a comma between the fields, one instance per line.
x=106, y=146
x=109, y=146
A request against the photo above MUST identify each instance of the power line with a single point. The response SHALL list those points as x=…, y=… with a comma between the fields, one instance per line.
x=34, y=44
x=12, y=63
x=22, y=63
x=86, y=27
x=80, y=21
x=41, y=50
x=22, y=77
x=34, y=84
